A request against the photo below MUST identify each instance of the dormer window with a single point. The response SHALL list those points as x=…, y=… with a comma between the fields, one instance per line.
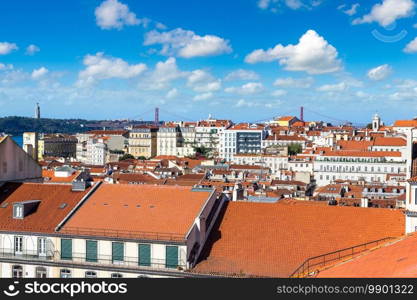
x=25, y=208
x=17, y=211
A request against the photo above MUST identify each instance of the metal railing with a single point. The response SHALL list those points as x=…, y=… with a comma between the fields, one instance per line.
x=123, y=262
x=81, y=231
x=26, y=254
x=314, y=263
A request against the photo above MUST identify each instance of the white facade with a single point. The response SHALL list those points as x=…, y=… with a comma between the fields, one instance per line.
x=273, y=162
x=371, y=169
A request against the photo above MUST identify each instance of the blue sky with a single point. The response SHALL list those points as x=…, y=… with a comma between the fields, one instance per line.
x=246, y=60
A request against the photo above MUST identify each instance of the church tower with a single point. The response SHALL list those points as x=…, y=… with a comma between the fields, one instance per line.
x=376, y=122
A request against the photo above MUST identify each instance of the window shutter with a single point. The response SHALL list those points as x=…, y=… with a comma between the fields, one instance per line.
x=91, y=251
x=171, y=257
x=117, y=251
x=145, y=255
x=66, y=249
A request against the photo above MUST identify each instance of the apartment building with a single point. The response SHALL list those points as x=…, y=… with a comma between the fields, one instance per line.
x=15, y=163
x=57, y=145
x=208, y=132
x=240, y=139
x=272, y=161
x=176, y=139
x=143, y=141
x=57, y=230
x=95, y=147
x=369, y=166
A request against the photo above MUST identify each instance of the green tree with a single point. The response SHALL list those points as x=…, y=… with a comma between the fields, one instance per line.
x=126, y=156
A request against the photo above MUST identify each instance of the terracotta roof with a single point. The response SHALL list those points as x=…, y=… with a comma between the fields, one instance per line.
x=48, y=214
x=273, y=240
x=138, y=211
x=49, y=176
x=394, y=260
x=286, y=118
x=285, y=138
x=354, y=145
x=389, y=141
x=108, y=132
x=363, y=153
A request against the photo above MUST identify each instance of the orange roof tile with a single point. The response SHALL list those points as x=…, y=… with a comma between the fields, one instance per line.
x=395, y=260
x=364, y=153
x=405, y=123
x=133, y=210
x=390, y=141
x=272, y=240
x=48, y=214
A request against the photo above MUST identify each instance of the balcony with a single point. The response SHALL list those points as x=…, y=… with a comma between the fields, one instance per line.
x=126, y=262
x=26, y=254
x=137, y=235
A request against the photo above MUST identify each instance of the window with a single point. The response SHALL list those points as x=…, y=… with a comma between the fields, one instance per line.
x=42, y=246
x=18, y=211
x=18, y=244
x=145, y=255
x=90, y=274
x=66, y=249
x=17, y=272
x=91, y=251
x=171, y=257
x=65, y=273
x=40, y=272
x=116, y=275
x=117, y=251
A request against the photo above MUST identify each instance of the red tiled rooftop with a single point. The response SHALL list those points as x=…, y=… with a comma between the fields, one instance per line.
x=48, y=214
x=405, y=123
x=395, y=260
x=162, y=209
x=273, y=240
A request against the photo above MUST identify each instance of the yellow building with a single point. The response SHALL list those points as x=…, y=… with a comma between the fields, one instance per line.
x=143, y=141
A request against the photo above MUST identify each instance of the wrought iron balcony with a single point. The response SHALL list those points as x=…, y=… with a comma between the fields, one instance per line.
x=26, y=254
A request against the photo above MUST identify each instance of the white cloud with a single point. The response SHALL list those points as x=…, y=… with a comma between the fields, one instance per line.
x=351, y=11
x=246, y=89
x=380, y=72
x=411, y=46
x=204, y=96
x=387, y=12
x=114, y=14
x=38, y=73
x=32, y=49
x=203, y=82
x=274, y=5
x=290, y=82
x=187, y=44
x=338, y=87
x=6, y=48
x=313, y=54
x=279, y=93
x=100, y=67
x=164, y=73
x=244, y=103
x=172, y=93
x=242, y=74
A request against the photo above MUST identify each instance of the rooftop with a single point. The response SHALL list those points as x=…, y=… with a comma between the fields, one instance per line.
x=48, y=214
x=133, y=210
x=286, y=235
x=395, y=260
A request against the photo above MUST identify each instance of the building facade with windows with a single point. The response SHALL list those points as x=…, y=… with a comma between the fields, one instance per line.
x=143, y=141
x=369, y=166
x=104, y=231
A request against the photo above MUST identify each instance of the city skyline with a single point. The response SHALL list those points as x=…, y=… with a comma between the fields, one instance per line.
x=120, y=59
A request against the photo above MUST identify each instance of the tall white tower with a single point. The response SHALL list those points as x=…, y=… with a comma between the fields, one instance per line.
x=376, y=122
x=37, y=111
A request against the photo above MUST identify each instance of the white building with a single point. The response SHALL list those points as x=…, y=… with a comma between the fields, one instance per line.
x=370, y=166
x=241, y=138
x=116, y=231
